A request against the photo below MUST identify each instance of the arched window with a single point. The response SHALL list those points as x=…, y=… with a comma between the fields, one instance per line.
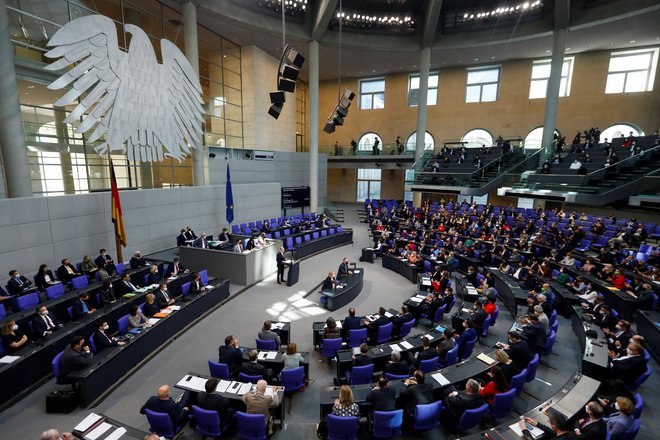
x=534, y=138
x=411, y=142
x=618, y=130
x=477, y=138
x=366, y=141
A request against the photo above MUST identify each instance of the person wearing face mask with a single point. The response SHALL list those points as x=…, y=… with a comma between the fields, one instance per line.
x=17, y=284
x=619, y=281
x=593, y=427
x=12, y=337
x=621, y=420
x=44, y=277
x=605, y=319
x=44, y=324
x=163, y=298
x=621, y=335
x=103, y=339
x=105, y=261
x=629, y=367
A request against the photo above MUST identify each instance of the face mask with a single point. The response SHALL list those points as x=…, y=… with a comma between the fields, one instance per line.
x=629, y=351
x=616, y=406
x=44, y=313
x=105, y=327
x=18, y=275
x=15, y=327
x=164, y=290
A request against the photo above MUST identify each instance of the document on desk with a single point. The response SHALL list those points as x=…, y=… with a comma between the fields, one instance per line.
x=8, y=359
x=395, y=347
x=483, y=357
x=267, y=355
x=116, y=435
x=152, y=321
x=465, y=310
x=356, y=350
x=167, y=310
x=277, y=325
x=174, y=308
x=536, y=432
x=416, y=299
x=441, y=379
x=388, y=314
x=222, y=386
x=407, y=345
x=272, y=391
x=98, y=431
x=234, y=387
x=209, y=287
x=192, y=382
x=244, y=388
x=87, y=422
x=429, y=336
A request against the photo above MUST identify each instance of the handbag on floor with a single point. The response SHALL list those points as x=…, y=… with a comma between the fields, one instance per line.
x=61, y=401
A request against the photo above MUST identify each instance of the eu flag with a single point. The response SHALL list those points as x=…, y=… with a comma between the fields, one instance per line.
x=230, y=199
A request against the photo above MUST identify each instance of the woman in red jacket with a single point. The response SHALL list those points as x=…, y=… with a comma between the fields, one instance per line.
x=618, y=280
x=497, y=384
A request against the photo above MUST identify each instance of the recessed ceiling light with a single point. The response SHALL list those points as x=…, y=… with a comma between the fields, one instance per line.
x=30, y=87
x=476, y=59
x=632, y=41
x=492, y=58
x=547, y=51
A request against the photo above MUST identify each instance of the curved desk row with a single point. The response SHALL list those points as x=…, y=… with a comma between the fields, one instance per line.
x=398, y=265
x=318, y=326
x=341, y=296
x=595, y=360
x=508, y=289
x=321, y=244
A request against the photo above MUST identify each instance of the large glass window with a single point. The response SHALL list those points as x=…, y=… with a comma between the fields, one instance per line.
x=367, y=140
x=541, y=73
x=368, y=184
x=632, y=71
x=411, y=142
x=477, y=138
x=372, y=93
x=482, y=84
x=413, y=90
x=620, y=130
x=535, y=137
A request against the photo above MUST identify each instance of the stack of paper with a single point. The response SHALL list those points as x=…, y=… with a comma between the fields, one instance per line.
x=416, y=299
x=388, y=314
x=8, y=359
x=266, y=355
x=167, y=310
x=442, y=380
x=244, y=388
x=272, y=391
x=356, y=270
x=536, y=432
x=152, y=321
x=465, y=310
x=116, y=435
x=98, y=431
x=223, y=385
x=407, y=345
x=483, y=357
x=356, y=350
x=87, y=422
x=395, y=347
x=174, y=308
x=233, y=387
x=429, y=336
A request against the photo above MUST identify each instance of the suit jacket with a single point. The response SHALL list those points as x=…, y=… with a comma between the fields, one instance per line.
x=399, y=368
x=161, y=300
x=425, y=355
x=351, y=323
x=280, y=259
x=169, y=407
x=231, y=356
x=39, y=325
x=78, y=309
x=102, y=341
x=121, y=288
x=196, y=287
x=361, y=360
x=596, y=430
x=617, y=424
x=413, y=395
x=463, y=401
x=180, y=240
x=40, y=279
x=343, y=270
x=179, y=269
x=628, y=369
x=215, y=402
x=478, y=318
x=399, y=320
x=254, y=369
x=150, y=310
x=154, y=278
x=64, y=275
x=519, y=354
x=16, y=288
x=102, y=261
x=536, y=337
x=608, y=321
x=467, y=335
x=443, y=348
x=137, y=262
x=382, y=399
x=72, y=360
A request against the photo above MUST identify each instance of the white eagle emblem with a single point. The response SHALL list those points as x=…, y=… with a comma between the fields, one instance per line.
x=155, y=108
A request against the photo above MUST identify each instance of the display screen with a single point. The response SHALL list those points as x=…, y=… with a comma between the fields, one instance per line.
x=295, y=197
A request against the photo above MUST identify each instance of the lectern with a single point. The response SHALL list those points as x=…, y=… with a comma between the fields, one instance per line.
x=293, y=273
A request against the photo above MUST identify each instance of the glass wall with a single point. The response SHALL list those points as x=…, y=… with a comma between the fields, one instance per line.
x=65, y=162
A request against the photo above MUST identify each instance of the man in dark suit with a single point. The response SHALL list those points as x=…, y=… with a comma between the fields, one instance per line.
x=426, y=353
x=630, y=367
x=211, y=401
x=472, y=276
x=196, y=285
x=254, y=368
x=162, y=403
x=362, y=359
x=446, y=343
x=593, y=427
x=468, y=334
x=231, y=355
x=81, y=307
x=382, y=397
x=18, y=284
x=163, y=299
x=558, y=429
x=400, y=319
x=44, y=324
x=351, y=322
x=137, y=260
x=124, y=286
x=620, y=337
x=518, y=351
x=382, y=320
x=224, y=236
x=606, y=320
x=105, y=261
x=76, y=355
x=66, y=272
x=415, y=391
x=395, y=365
x=190, y=234
x=478, y=316
x=181, y=238
x=343, y=272
x=102, y=339
x=280, y=265
x=535, y=334
x=459, y=402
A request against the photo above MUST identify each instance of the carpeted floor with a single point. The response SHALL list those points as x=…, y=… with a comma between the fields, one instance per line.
x=243, y=316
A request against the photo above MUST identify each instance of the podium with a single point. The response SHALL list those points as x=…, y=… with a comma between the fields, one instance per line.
x=293, y=272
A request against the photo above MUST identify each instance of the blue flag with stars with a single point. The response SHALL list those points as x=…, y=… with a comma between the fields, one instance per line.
x=230, y=199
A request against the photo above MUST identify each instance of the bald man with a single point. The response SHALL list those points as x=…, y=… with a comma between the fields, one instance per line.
x=258, y=403
x=163, y=403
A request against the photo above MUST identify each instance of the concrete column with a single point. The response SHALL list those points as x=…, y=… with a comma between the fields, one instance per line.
x=192, y=53
x=313, y=125
x=424, y=64
x=12, y=137
x=65, y=157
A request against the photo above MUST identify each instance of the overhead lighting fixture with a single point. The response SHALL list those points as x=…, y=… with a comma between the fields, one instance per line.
x=287, y=74
x=340, y=111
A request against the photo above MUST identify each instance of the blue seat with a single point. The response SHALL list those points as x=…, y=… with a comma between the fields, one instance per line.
x=3, y=312
x=204, y=276
x=452, y=357
x=406, y=327
x=91, y=343
x=221, y=371
x=331, y=231
x=342, y=428
x=266, y=344
x=554, y=327
x=289, y=243
x=639, y=405
x=361, y=375
x=384, y=333
x=451, y=304
x=121, y=268
x=340, y=229
x=503, y=404
x=161, y=423
x=80, y=282
x=329, y=347
x=472, y=417
x=427, y=416
x=357, y=337
x=429, y=365
x=324, y=233
x=28, y=301
x=465, y=351
x=518, y=381
x=494, y=316
x=54, y=291
x=245, y=378
x=437, y=318
x=550, y=342
x=391, y=376
x=55, y=365
x=293, y=380
x=235, y=229
x=387, y=424
x=306, y=237
x=122, y=324
x=484, y=329
x=631, y=433
x=553, y=317
x=208, y=422
x=185, y=289
x=251, y=426
x=641, y=379
x=531, y=368
x=69, y=311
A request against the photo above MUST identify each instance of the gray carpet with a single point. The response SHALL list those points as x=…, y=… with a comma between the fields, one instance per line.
x=243, y=317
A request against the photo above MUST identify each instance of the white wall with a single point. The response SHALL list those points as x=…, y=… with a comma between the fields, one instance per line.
x=46, y=229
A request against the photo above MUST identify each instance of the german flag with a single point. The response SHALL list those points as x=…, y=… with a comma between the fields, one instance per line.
x=117, y=216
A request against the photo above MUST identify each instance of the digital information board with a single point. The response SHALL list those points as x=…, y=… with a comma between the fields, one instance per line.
x=295, y=197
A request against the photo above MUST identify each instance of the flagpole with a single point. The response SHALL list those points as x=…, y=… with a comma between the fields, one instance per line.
x=120, y=257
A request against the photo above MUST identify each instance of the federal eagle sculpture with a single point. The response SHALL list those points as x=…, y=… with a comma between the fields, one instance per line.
x=127, y=96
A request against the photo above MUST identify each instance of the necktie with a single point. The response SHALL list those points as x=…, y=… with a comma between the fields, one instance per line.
x=49, y=323
x=167, y=298
x=20, y=282
x=68, y=269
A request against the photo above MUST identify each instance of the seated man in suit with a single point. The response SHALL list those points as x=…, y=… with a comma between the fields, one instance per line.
x=415, y=391
x=362, y=359
x=196, y=285
x=44, y=324
x=426, y=353
x=620, y=336
x=104, y=340
x=518, y=351
x=458, y=402
x=535, y=333
x=66, y=272
x=254, y=368
x=478, y=316
x=190, y=234
x=76, y=355
x=177, y=268
x=163, y=299
x=330, y=282
x=343, y=272
x=593, y=427
x=559, y=427
x=106, y=262
x=382, y=397
x=395, y=365
x=224, y=236
x=163, y=403
x=400, y=319
x=81, y=306
x=267, y=334
x=18, y=284
x=382, y=320
x=605, y=319
x=231, y=355
x=211, y=401
x=137, y=260
x=468, y=334
x=630, y=367
x=124, y=286
x=446, y=343
x=351, y=322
